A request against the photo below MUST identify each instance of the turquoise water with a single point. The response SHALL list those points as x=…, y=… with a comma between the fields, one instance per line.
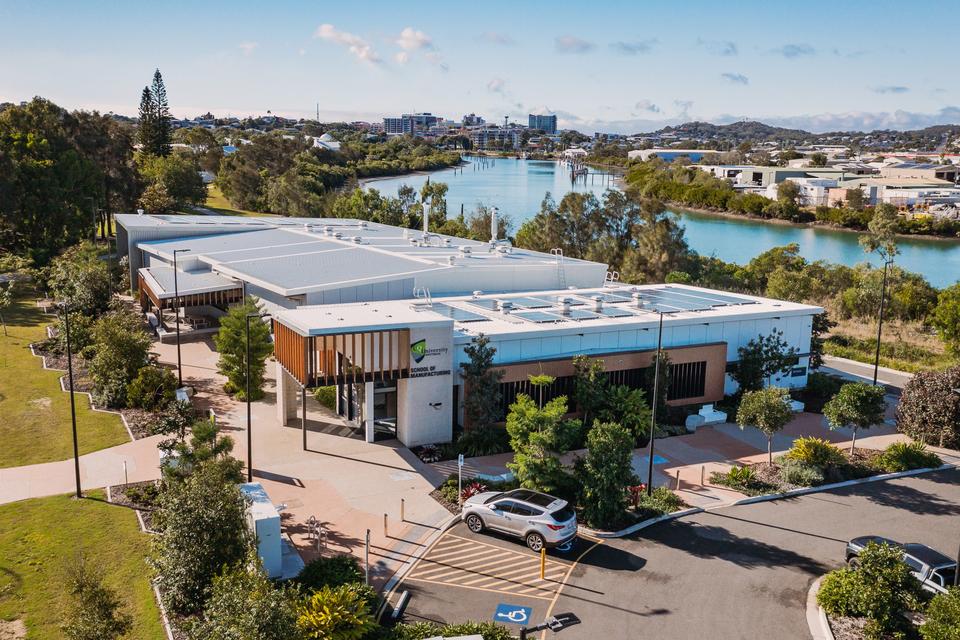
x=518, y=186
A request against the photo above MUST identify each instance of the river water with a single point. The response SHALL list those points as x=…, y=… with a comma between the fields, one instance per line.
x=517, y=187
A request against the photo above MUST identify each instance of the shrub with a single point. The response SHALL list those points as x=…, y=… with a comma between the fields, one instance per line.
x=660, y=502
x=943, y=617
x=801, y=474
x=153, y=388
x=326, y=396
x=231, y=342
x=81, y=334
x=145, y=495
x=483, y=441
x=424, y=630
x=97, y=612
x=337, y=613
x=815, y=451
x=741, y=475
x=744, y=480
x=929, y=410
x=332, y=571
x=905, y=456
x=607, y=471
x=838, y=593
x=472, y=489
x=121, y=350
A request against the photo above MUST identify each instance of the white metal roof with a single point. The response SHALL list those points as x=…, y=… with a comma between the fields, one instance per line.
x=160, y=280
x=537, y=313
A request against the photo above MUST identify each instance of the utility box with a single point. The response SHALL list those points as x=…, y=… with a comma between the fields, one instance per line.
x=264, y=521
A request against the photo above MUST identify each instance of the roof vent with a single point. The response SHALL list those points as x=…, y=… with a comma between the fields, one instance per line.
x=464, y=250
x=414, y=242
x=597, y=304
x=446, y=242
x=327, y=230
x=357, y=239
x=451, y=259
x=505, y=306
x=338, y=235
x=564, y=305
x=503, y=249
x=477, y=294
x=363, y=224
x=637, y=300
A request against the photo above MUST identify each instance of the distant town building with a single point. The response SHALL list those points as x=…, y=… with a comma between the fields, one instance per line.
x=918, y=170
x=473, y=120
x=410, y=123
x=490, y=136
x=547, y=124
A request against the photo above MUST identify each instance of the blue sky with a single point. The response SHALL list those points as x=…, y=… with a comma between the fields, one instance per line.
x=612, y=66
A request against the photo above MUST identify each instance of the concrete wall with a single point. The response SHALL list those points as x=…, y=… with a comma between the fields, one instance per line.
x=425, y=400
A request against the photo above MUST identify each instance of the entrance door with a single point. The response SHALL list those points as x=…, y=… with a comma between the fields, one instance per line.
x=384, y=410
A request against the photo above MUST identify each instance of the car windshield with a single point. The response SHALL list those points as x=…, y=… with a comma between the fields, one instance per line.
x=947, y=575
x=562, y=515
x=495, y=496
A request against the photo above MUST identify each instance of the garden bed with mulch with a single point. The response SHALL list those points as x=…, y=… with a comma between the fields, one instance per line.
x=141, y=496
x=850, y=628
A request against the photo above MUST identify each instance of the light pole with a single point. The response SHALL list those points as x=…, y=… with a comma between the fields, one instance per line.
x=176, y=313
x=249, y=422
x=883, y=296
x=73, y=408
x=653, y=411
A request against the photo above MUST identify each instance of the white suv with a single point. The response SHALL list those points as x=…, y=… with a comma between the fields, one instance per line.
x=541, y=520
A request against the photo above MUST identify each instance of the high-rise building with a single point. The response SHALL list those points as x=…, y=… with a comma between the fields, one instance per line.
x=412, y=123
x=547, y=124
x=472, y=120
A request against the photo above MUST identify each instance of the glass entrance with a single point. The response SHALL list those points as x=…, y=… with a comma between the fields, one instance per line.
x=384, y=410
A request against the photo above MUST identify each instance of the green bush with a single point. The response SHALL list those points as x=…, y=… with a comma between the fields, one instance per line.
x=741, y=475
x=660, y=502
x=81, y=334
x=820, y=388
x=943, y=617
x=744, y=480
x=880, y=589
x=330, y=571
x=815, y=451
x=839, y=592
x=338, y=613
x=153, y=388
x=326, y=396
x=801, y=474
x=484, y=441
x=905, y=456
x=424, y=630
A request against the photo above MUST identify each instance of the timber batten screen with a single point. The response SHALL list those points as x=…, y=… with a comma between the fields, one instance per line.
x=222, y=298
x=343, y=358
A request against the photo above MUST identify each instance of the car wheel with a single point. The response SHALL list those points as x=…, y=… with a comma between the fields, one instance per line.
x=853, y=562
x=474, y=523
x=535, y=542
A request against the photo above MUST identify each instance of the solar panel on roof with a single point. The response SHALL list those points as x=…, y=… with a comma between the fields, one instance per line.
x=487, y=304
x=615, y=312
x=460, y=315
x=527, y=302
x=538, y=316
x=580, y=314
x=608, y=297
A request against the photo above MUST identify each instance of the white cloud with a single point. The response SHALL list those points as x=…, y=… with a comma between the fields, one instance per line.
x=401, y=57
x=646, y=105
x=891, y=88
x=719, y=47
x=735, y=78
x=354, y=44
x=683, y=106
x=797, y=50
x=435, y=58
x=248, y=47
x=495, y=37
x=572, y=44
x=635, y=47
x=497, y=85
x=413, y=40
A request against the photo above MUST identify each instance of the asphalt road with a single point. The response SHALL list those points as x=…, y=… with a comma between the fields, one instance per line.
x=737, y=572
x=850, y=369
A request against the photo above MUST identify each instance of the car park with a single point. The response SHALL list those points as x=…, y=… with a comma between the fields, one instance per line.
x=540, y=520
x=935, y=571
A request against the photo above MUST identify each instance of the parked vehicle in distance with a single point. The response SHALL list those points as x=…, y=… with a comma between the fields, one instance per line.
x=542, y=521
x=935, y=571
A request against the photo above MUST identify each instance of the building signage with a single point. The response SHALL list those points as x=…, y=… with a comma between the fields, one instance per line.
x=419, y=351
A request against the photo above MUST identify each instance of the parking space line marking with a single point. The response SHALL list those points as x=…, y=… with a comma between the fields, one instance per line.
x=450, y=584
x=469, y=560
x=483, y=567
x=453, y=557
x=452, y=548
x=563, y=583
x=459, y=548
x=516, y=578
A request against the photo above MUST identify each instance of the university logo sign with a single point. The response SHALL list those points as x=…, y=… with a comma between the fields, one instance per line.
x=418, y=350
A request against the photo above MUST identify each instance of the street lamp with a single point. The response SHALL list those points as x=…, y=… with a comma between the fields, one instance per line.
x=249, y=422
x=176, y=313
x=653, y=411
x=73, y=409
x=883, y=295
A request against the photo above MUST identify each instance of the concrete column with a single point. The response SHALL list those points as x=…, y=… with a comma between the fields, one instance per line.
x=288, y=391
x=368, y=411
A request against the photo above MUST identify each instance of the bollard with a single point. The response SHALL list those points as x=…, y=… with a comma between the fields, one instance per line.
x=366, y=560
x=543, y=563
x=678, y=479
x=402, y=516
x=125, y=480
x=701, y=474
x=385, y=534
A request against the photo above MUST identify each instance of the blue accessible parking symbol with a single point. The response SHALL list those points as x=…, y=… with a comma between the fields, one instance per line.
x=512, y=613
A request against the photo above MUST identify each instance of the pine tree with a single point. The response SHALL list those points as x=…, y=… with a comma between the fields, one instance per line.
x=481, y=403
x=145, y=130
x=161, y=117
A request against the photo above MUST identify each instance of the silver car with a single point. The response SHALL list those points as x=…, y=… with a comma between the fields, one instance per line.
x=541, y=520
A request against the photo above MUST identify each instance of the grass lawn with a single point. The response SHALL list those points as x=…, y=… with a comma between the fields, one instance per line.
x=34, y=412
x=39, y=538
x=216, y=201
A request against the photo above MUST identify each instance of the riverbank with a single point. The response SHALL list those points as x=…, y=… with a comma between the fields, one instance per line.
x=826, y=226
x=363, y=182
